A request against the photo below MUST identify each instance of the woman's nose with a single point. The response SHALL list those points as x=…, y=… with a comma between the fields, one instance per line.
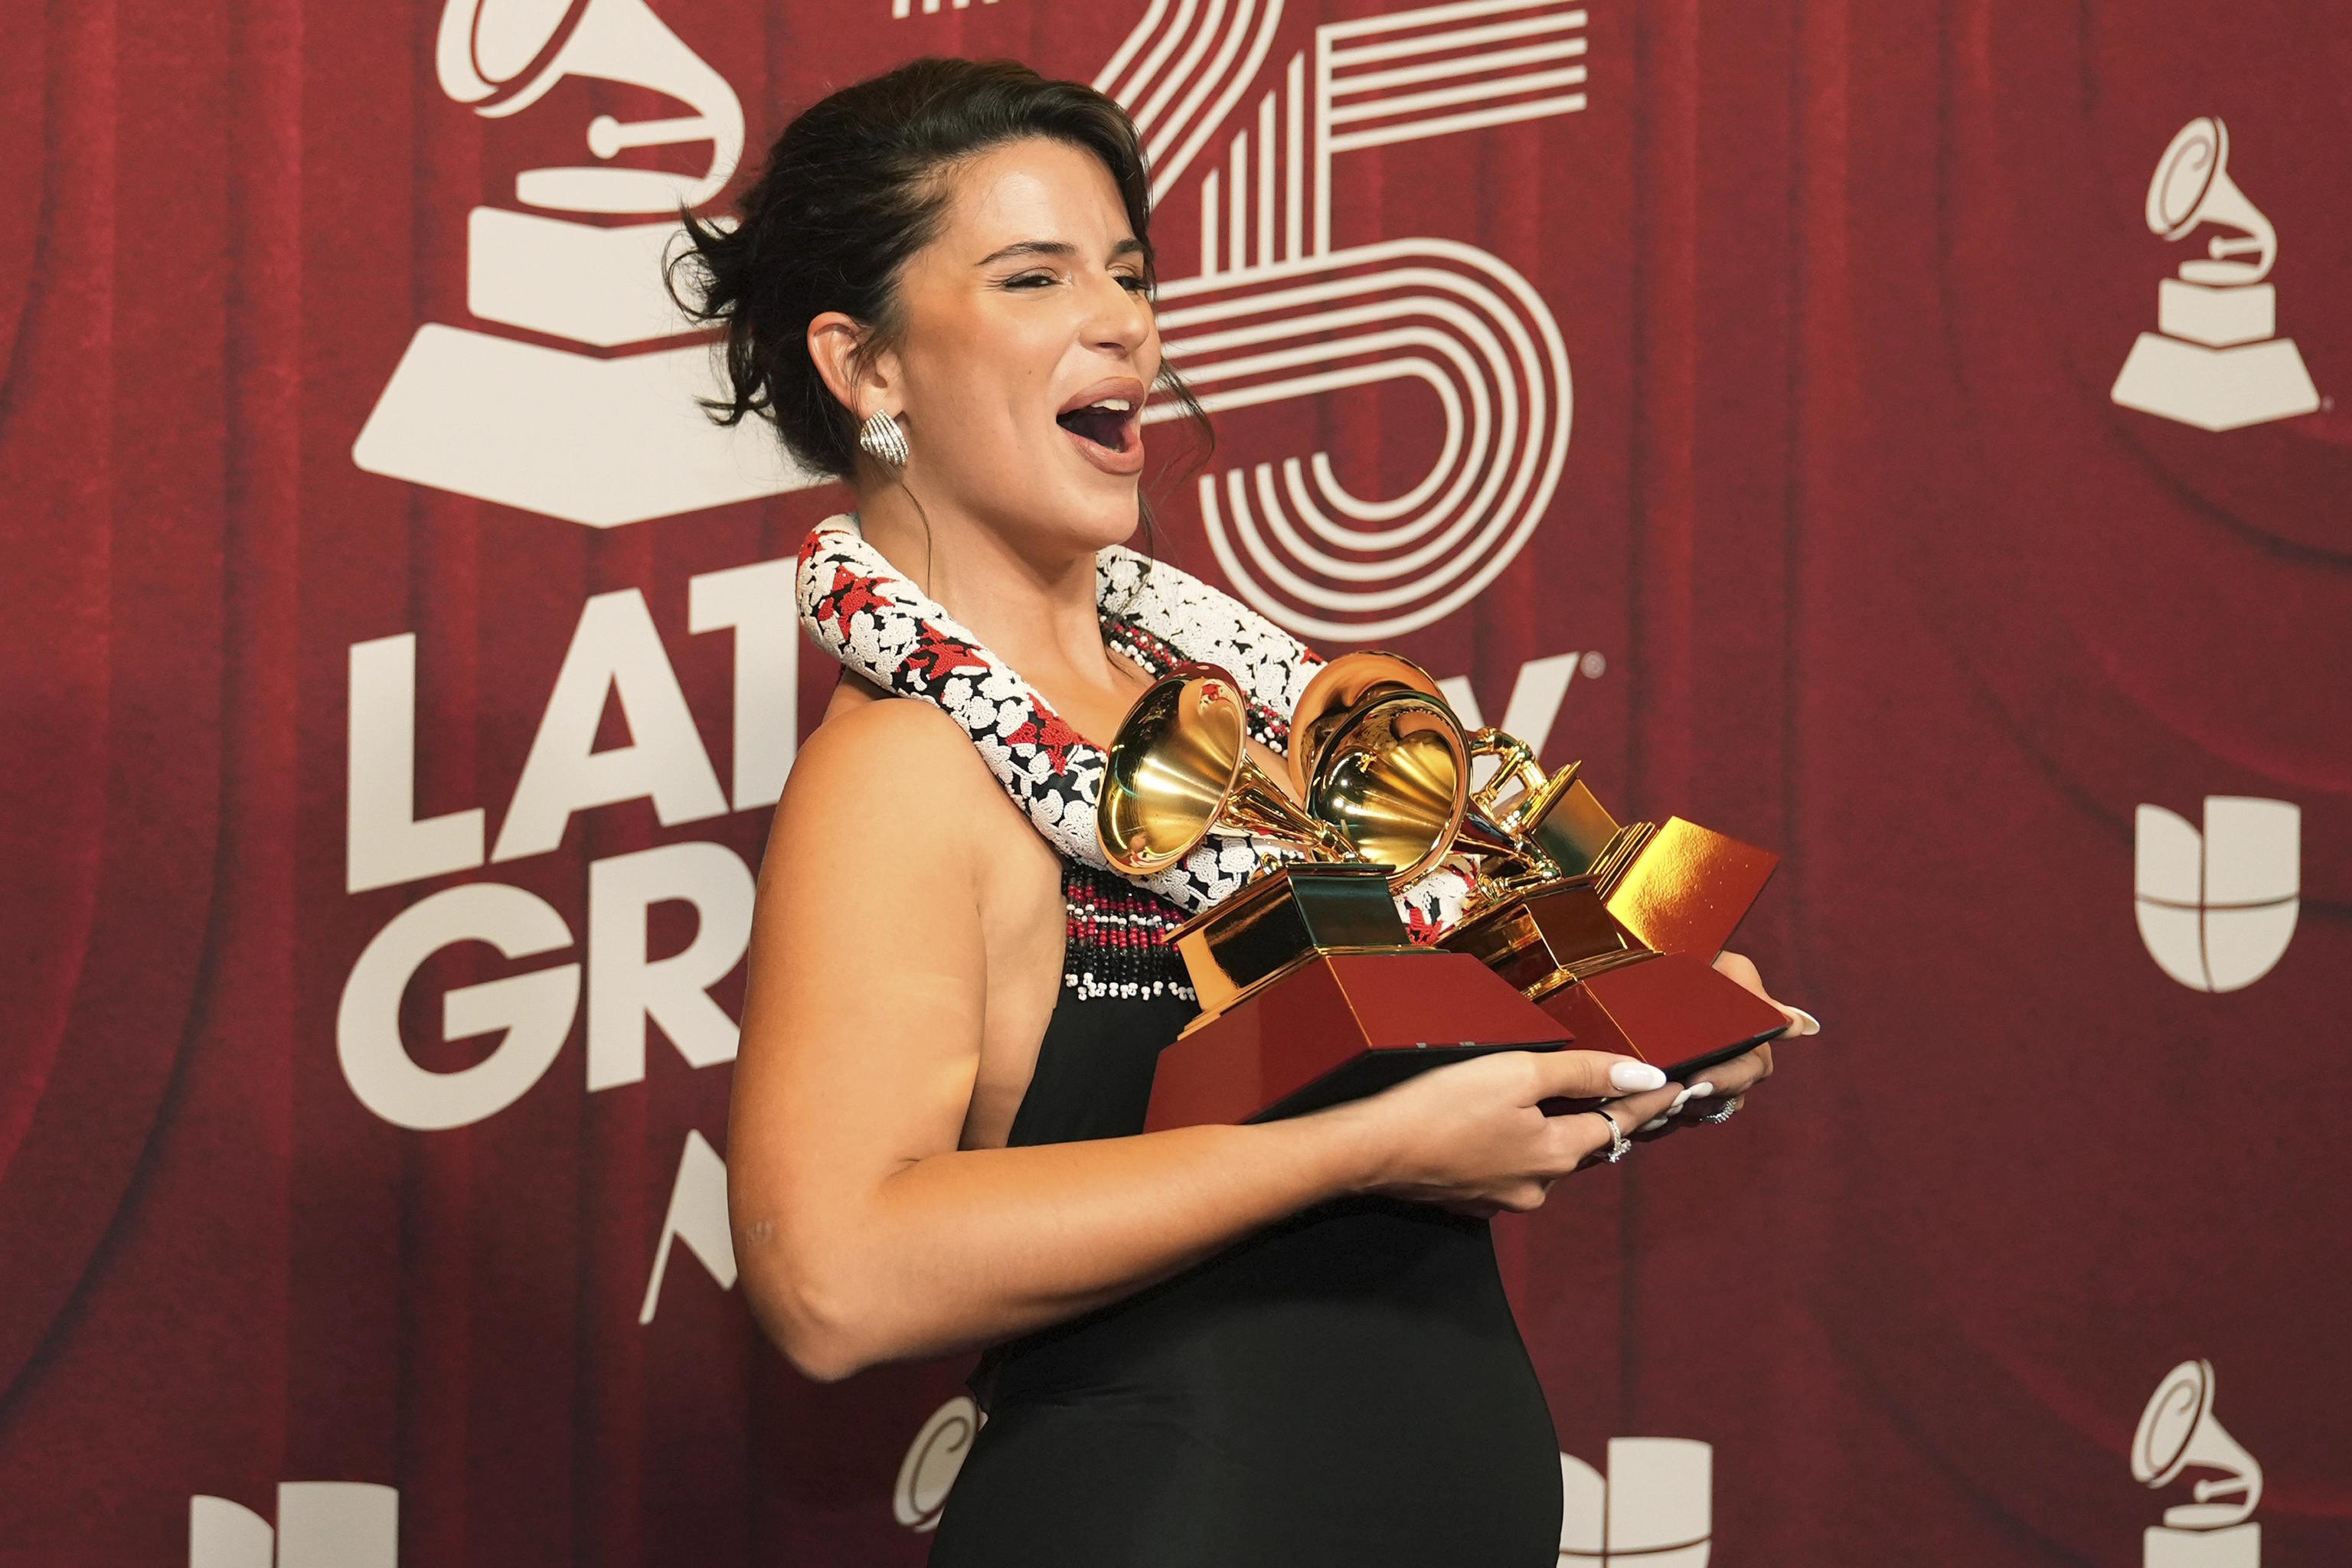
x=1120, y=317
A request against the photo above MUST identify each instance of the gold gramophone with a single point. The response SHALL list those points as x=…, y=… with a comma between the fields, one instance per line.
x=1611, y=929
x=1310, y=991
x=1376, y=752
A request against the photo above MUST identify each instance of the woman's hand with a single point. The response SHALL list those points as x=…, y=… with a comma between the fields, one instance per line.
x=1473, y=1135
x=1721, y=1088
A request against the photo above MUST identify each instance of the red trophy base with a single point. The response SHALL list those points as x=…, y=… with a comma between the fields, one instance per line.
x=1671, y=1010
x=1562, y=945
x=1339, y=1027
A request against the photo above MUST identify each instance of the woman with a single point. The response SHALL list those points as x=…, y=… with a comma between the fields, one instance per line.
x=1276, y=1343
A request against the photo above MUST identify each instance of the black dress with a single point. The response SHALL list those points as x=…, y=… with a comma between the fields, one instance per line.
x=1346, y=1388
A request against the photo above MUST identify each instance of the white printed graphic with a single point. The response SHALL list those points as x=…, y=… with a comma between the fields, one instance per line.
x=532, y=1012
x=697, y=1217
x=2217, y=908
x=1537, y=697
x=931, y=7
x=615, y=658
x=1655, y=1509
x=1181, y=72
x=2215, y=364
x=2179, y=1432
x=596, y=440
x=1277, y=313
x=320, y=1524
x=933, y=1461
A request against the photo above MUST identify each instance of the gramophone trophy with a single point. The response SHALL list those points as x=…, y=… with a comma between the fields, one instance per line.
x=2215, y=363
x=1310, y=991
x=1612, y=930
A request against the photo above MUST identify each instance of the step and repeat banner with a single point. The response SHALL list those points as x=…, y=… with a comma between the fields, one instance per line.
x=1907, y=437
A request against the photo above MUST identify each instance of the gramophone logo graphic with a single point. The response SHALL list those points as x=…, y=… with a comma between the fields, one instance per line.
x=2178, y=1433
x=2217, y=908
x=2214, y=364
x=601, y=439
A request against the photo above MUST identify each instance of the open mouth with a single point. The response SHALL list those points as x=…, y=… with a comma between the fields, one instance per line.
x=1107, y=422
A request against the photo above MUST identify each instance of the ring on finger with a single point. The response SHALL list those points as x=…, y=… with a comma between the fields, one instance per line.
x=1619, y=1145
x=1725, y=1112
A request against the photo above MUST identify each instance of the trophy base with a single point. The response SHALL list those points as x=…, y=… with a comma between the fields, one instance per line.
x=2216, y=388
x=1673, y=1010
x=2239, y=1546
x=1338, y=1027
x=1565, y=949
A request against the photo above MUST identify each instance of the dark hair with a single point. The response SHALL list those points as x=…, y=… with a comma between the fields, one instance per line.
x=854, y=187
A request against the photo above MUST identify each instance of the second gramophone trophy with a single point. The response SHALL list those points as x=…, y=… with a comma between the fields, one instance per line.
x=1612, y=929
x=1310, y=991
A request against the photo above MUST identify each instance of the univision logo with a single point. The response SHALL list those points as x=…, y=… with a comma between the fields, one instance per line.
x=1654, y=1508
x=2217, y=908
x=320, y=1524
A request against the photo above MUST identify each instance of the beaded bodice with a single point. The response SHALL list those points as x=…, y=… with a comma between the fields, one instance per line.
x=1116, y=945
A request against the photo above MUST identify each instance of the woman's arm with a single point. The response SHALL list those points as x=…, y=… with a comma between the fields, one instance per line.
x=865, y=1234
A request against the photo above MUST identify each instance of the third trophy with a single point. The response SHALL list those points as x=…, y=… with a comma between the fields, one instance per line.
x=1611, y=928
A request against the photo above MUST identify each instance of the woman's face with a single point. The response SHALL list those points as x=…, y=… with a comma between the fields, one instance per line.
x=1027, y=349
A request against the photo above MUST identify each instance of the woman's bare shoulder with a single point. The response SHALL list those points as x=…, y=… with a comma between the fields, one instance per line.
x=884, y=772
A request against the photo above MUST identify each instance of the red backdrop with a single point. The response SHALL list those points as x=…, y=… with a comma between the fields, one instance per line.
x=1877, y=571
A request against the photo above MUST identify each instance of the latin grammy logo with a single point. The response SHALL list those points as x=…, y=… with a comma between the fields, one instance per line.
x=2178, y=1432
x=2217, y=908
x=596, y=440
x=2214, y=362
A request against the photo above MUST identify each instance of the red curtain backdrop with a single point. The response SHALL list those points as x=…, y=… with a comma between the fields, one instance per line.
x=1857, y=555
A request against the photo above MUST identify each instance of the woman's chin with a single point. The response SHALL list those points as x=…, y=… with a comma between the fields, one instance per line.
x=1093, y=516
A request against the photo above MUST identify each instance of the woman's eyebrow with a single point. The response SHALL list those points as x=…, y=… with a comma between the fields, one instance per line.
x=1057, y=248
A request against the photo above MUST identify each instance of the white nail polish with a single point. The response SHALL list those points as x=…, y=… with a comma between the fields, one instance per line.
x=1702, y=1089
x=1802, y=1022
x=1654, y=1124
x=1634, y=1078
x=1682, y=1099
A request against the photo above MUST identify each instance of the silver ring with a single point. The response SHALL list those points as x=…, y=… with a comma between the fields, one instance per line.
x=1730, y=1109
x=1618, y=1142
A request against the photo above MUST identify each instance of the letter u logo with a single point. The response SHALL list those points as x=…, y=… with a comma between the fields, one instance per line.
x=2217, y=908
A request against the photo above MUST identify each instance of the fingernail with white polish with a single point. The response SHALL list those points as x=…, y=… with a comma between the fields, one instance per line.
x=1682, y=1099
x=1803, y=1023
x=1654, y=1124
x=1702, y=1089
x=1632, y=1078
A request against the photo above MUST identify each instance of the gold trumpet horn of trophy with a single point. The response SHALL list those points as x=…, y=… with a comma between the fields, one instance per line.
x=1377, y=753
x=1310, y=991
x=1180, y=770
x=1613, y=927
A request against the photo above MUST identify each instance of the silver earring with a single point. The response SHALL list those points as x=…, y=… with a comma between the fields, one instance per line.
x=881, y=439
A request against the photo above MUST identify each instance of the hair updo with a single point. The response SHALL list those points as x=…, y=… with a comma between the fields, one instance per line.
x=854, y=187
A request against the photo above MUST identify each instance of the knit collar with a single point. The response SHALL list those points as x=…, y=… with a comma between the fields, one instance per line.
x=874, y=620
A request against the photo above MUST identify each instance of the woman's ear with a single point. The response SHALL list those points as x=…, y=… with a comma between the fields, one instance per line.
x=859, y=381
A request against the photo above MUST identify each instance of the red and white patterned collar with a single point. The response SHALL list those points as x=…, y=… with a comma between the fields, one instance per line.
x=874, y=620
